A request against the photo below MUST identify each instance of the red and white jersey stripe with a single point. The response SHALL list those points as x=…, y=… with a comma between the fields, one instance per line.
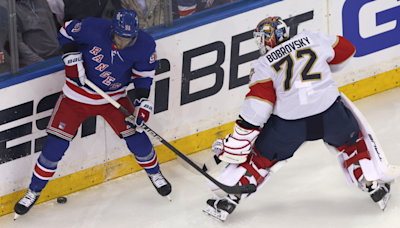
x=141, y=74
x=86, y=96
x=187, y=10
x=64, y=32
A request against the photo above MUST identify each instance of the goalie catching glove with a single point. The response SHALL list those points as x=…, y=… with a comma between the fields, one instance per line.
x=74, y=68
x=143, y=109
x=235, y=147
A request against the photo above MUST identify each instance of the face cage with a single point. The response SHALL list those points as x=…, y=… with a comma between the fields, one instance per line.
x=263, y=45
x=132, y=42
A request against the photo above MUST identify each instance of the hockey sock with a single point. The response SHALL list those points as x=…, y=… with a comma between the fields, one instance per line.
x=139, y=144
x=44, y=170
x=47, y=162
x=149, y=163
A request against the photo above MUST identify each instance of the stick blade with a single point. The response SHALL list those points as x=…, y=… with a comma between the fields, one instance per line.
x=243, y=189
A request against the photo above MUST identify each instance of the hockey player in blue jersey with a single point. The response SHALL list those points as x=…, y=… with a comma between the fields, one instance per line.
x=111, y=55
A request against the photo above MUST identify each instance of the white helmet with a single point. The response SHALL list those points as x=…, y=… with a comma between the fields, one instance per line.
x=269, y=33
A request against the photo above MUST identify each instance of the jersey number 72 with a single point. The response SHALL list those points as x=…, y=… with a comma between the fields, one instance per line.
x=305, y=76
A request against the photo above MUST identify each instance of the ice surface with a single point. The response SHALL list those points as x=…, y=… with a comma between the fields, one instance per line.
x=310, y=191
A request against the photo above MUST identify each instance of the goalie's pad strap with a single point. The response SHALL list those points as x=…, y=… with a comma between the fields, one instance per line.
x=256, y=165
x=353, y=175
x=361, y=151
x=358, y=174
x=355, y=159
x=244, y=180
x=259, y=179
x=260, y=162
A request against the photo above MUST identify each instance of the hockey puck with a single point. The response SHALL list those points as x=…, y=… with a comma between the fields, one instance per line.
x=62, y=200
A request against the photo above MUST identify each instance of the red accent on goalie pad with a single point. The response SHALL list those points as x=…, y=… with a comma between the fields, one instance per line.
x=244, y=181
x=362, y=151
x=260, y=162
x=358, y=173
x=252, y=171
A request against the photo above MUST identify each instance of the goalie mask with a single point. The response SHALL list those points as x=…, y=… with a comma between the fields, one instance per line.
x=269, y=33
x=125, y=25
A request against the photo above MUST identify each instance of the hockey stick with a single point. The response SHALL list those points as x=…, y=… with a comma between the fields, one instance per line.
x=206, y=166
x=248, y=188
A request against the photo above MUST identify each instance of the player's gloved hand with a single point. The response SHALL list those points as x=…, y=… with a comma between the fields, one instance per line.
x=235, y=147
x=131, y=122
x=143, y=109
x=74, y=68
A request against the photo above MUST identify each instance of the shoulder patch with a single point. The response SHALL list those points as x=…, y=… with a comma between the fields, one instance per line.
x=153, y=57
x=77, y=27
x=252, y=71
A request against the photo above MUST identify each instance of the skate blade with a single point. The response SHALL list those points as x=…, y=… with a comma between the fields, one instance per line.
x=16, y=216
x=220, y=215
x=383, y=202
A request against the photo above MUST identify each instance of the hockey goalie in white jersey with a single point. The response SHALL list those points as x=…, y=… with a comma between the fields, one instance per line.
x=293, y=98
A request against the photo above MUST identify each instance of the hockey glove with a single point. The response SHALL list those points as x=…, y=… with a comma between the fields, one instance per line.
x=235, y=147
x=74, y=68
x=143, y=109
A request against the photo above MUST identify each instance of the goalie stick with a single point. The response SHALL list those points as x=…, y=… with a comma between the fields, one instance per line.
x=248, y=188
x=206, y=166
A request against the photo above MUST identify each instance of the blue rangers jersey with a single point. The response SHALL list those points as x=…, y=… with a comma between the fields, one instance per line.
x=106, y=66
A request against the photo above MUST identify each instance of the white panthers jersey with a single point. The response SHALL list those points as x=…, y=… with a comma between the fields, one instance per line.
x=295, y=78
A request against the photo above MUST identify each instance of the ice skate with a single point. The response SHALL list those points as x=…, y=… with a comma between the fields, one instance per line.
x=380, y=193
x=25, y=204
x=221, y=208
x=161, y=184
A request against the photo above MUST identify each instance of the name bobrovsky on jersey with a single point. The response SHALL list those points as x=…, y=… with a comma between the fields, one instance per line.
x=286, y=48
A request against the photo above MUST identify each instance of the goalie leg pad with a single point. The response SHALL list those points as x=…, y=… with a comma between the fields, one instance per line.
x=256, y=170
x=230, y=175
x=349, y=161
x=373, y=162
x=352, y=162
x=364, y=160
